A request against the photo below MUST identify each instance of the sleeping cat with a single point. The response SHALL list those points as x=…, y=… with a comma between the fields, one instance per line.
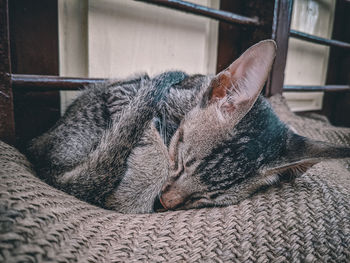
x=176, y=141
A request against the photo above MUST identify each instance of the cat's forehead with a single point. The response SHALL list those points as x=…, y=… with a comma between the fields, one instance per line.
x=203, y=128
x=211, y=121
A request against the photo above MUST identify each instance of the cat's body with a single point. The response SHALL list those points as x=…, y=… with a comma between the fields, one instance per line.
x=176, y=141
x=96, y=112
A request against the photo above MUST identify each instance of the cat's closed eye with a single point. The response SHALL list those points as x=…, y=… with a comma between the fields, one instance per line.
x=190, y=162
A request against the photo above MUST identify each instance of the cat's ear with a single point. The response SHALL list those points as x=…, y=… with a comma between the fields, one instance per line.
x=240, y=84
x=301, y=153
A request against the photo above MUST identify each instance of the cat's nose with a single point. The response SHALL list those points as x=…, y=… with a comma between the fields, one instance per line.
x=171, y=201
x=172, y=198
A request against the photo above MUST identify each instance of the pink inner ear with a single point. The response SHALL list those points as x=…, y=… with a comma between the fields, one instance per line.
x=225, y=80
x=220, y=85
x=244, y=79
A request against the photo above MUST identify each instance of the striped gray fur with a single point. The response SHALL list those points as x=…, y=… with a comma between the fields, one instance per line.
x=86, y=152
x=176, y=141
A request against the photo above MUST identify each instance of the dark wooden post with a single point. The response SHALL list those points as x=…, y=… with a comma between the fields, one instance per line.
x=233, y=39
x=280, y=33
x=34, y=50
x=275, y=17
x=230, y=36
x=7, y=125
x=336, y=106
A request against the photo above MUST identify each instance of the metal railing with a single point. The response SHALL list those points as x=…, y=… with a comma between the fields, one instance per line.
x=41, y=82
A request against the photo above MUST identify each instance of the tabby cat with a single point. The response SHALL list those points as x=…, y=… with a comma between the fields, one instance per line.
x=176, y=141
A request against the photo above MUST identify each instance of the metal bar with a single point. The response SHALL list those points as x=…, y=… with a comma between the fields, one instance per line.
x=7, y=122
x=319, y=40
x=195, y=9
x=39, y=83
x=44, y=83
x=326, y=88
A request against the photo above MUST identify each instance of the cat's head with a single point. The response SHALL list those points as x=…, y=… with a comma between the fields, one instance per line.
x=232, y=144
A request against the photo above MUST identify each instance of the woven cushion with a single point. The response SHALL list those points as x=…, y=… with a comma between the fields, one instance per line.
x=307, y=221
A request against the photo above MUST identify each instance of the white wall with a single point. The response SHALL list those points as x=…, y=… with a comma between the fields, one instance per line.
x=307, y=62
x=73, y=43
x=127, y=37
x=118, y=38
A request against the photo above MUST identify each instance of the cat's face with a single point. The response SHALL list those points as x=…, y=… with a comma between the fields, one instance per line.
x=225, y=149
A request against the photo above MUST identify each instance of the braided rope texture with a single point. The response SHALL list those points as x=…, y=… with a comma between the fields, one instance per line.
x=307, y=221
